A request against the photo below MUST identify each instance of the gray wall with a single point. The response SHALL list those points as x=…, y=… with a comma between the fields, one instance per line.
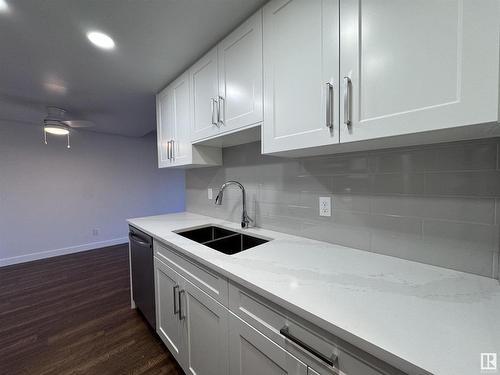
x=52, y=198
x=433, y=204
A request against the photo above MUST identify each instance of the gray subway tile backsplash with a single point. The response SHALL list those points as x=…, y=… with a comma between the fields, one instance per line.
x=436, y=204
x=408, y=161
x=474, y=210
x=469, y=183
x=342, y=234
x=465, y=156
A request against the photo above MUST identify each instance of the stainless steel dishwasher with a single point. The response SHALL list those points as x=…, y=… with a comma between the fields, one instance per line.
x=143, y=284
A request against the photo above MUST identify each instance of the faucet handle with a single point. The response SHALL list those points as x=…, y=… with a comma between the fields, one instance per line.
x=218, y=198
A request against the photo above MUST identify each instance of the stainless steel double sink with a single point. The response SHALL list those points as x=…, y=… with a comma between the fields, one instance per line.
x=221, y=239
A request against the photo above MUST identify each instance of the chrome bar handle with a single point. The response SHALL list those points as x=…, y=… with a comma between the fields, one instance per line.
x=168, y=150
x=332, y=361
x=173, y=149
x=220, y=112
x=181, y=317
x=347, y=101
x=329, y=105
x=175, y=289
x=214, y=119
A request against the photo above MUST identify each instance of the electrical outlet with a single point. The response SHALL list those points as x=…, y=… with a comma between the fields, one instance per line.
x=95, y=232
x=210, y=194
x=325, y=206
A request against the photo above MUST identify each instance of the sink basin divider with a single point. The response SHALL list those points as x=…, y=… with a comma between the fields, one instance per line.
x=221, y=238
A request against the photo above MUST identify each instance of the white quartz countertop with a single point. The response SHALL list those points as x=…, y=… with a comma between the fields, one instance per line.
x=430, y=317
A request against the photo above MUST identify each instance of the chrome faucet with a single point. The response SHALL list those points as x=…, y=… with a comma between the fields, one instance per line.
x=245, y=219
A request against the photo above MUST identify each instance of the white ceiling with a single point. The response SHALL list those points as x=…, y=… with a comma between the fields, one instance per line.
x=46, y=59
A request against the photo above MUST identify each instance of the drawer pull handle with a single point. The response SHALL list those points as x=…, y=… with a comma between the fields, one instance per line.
x=175, y=289
x=181, y=317
x=221, y=111
x=215, y=113
x=329, y=105
x=330, y=361
x=347, y=101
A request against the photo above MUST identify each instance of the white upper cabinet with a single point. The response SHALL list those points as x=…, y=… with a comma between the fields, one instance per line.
x=205, y=92
x=174, y=129
x=226, y=83
x=301, y=68
x=240, y=76
x=181, y=142
x=327, y=76
x=164, y=131
x=417, y=65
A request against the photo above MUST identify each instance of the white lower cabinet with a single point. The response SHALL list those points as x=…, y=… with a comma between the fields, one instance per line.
x=191, y=324
x=253, y=353
x=168, y=327
x=205, y=324
x=246, y=337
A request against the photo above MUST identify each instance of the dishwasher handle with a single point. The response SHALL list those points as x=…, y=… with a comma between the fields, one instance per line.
x=138, y=240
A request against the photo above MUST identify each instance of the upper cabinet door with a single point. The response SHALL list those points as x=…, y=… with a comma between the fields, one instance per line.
x=417, y=65
x=164, y=125
x=203, y=77
x=240, y=75
x=182, y=149
x=301, y=67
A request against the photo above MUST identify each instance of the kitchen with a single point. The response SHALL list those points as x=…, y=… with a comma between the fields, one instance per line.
x=250, y=187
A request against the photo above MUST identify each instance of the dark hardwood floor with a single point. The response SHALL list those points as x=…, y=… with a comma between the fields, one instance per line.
x=71, y=315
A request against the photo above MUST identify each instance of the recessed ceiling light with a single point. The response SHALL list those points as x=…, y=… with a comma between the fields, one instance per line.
x=101, y=40
x=4, y=7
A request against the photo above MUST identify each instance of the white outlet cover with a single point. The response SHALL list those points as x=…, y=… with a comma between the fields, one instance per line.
x=210, y=193
x=325, y=206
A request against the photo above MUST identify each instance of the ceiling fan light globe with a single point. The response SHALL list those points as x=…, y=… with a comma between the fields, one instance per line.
x=56, y=129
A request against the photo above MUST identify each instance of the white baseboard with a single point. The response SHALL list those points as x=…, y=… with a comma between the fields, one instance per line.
x=62, y=251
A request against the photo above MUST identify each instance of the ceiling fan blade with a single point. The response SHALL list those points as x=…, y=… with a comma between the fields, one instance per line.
x=79, y=123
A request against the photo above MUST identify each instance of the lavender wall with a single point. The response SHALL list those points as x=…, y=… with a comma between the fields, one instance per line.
x=52, y=198
x=435, y=204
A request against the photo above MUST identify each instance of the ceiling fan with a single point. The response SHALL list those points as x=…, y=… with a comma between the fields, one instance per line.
x=58, y=123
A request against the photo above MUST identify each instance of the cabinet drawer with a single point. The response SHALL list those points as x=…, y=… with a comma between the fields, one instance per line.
x=210, y=282
x=253, y=353
x=301, y=339
x=252, y=309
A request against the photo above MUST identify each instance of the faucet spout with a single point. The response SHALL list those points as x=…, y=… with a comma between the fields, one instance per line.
x=245, y=219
